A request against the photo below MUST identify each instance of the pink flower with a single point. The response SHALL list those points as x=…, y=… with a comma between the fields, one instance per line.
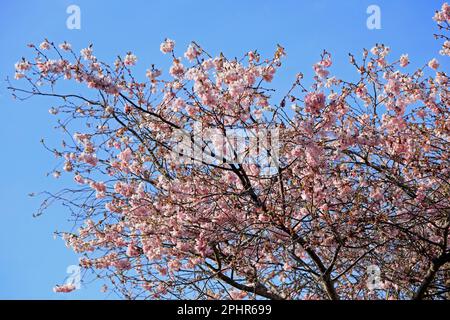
x=127, y=109
x=392, y=86
x=258, y=113
x=80, y=137
x=87, y=53
x=444, y=14
x=313, y=154
x=320, y=71
x=238, y=295
x=326, y=63
x=421, y=113
x=174, y=265
x=23, y=65
x=167, y=46
x=376, y=194
x=177, y=69
x=192, y=52
x=132, y=250
x=68, y=166
x=320, y=67
x=112, y=207
x=44, y=45
x=66, y=288
x=125, y=155
x=314, y=101
x=404, y=60
x=208, y=64
x=231, y=178
x=18, y=75
x=178, y=104
x=98, y=186
x=53, y=111
x=122, y=264
x=191, y=110
x=268, y=73
x=130, y=59
x=79, y=179
x=153, y=74
x=441, y=78
x=433, y=64
x=65, y=46
x=445, y=51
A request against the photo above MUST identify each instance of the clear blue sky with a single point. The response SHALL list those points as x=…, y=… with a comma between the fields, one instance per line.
x=31, y=261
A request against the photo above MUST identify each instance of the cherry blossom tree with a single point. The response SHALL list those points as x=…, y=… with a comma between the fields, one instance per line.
x=346, y=197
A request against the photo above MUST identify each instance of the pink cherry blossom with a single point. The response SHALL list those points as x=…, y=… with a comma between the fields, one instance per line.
x=130, y=59
x=404, y=60
x=192, y=52
x=433, y=64
x=22, y=66
x=45, y=45
x=66, y=288
x=314, y=101
x=65, y=46
x=167, y=46
x=177, y=69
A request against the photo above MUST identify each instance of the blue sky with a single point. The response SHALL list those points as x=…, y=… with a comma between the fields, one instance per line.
x=31, y=261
